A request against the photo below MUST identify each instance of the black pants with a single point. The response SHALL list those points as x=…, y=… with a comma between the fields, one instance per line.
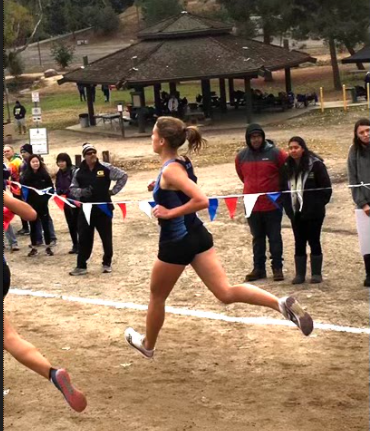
x=71, y=215
x=44, y=217
x=103, y=224
x=307, y=231
x=24, y=222
x=266, y=224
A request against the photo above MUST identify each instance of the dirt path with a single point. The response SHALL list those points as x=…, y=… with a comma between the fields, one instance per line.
x=207, y=374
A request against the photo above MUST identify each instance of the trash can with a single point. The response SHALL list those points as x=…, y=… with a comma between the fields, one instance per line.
x=84, y=120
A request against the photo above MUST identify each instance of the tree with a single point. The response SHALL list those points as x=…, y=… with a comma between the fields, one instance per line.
x=157, y=10
x=335, y=21
x=105, y=20
x=62, y=54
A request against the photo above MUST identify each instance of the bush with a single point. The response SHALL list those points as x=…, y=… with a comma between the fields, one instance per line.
x=15, y=64
x=62, y=54
x=105, y=20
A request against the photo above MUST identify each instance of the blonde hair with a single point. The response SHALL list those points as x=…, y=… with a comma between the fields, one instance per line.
x=176, y=132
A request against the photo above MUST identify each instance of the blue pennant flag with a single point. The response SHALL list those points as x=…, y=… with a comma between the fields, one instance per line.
x=25, y=192
x=106, y=210
x=152, y=204
x=212, y=209
x=273, y=198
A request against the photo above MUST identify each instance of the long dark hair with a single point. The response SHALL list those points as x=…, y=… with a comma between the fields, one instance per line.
x=64, y=157
x=356, y=140
x=42, y=171
x=175, y=132
x=294, y=168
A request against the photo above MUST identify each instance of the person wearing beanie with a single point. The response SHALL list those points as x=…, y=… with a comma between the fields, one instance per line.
x=91, y=183
x=258, y=167
x=359, y=173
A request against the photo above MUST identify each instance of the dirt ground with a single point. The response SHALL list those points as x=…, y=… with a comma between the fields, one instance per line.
x=207, y=374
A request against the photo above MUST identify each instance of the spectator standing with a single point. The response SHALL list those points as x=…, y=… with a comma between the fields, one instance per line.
x=19, y=112
x=258, y=167
x=106, y=91
x=359, y=172
x=63, y=182
x=305, y=170
x=91, y=183
x=37, y=176
x=81, y=90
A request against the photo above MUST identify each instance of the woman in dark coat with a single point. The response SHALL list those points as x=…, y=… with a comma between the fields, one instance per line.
x=36, y=176
x=62, y=184
x=310, y=186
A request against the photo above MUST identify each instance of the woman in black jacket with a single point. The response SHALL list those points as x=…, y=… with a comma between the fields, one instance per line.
x=310, y=186
x=36, y=176
x=62, y=184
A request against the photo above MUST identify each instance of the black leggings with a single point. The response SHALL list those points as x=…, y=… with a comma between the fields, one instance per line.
x=71, y=215
x=6, y=279
x=43, y=216
x=307, y=231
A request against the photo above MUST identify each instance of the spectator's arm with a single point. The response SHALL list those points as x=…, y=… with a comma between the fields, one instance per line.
x=118, y=175
x=238, y=169
x=323, y=181
x=357, y=192
x=78, y=192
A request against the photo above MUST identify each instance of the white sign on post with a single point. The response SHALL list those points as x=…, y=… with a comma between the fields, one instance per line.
x=36, y=111
x=39, y=141
x=35, y=96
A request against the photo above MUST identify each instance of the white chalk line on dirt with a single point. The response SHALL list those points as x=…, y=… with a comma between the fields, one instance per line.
x=187, y=312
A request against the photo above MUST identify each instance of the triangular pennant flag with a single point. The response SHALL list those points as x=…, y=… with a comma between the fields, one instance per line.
x=212, y=208
x=106, y=210
x=86, y=208
x=152, y=204
x=274, y=197
x=249, y=202
x=60, y=203
x=231, y=205
x=146, y=208
x=25, y=193
x=123, y=209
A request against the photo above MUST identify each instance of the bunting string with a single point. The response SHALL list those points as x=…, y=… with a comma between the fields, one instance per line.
x=249, y=201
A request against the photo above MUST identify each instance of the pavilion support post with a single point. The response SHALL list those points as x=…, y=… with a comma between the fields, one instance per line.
x=206, y=93
x=288, y=80
x=231, y=91
x=223, y=102
x=141, y=113
x=157, y=99
x=90, y=105
x=248, y=99
x=173, y=88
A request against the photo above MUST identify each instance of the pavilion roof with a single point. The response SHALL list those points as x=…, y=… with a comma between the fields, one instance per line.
x=361, y=56
x=190, y=57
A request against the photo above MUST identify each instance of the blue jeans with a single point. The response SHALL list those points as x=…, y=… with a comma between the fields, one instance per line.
x=39, y=238
x=266, y=224
x=10, y=236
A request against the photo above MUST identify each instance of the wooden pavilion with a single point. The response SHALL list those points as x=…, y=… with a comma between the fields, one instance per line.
x=187, y=47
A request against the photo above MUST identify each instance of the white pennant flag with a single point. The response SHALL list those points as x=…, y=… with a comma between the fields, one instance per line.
x=249, y=202
x=146, y=208
x=86, y=208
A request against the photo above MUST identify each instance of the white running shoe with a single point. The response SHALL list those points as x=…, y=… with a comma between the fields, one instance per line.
x=292, y=310
x=135, y=340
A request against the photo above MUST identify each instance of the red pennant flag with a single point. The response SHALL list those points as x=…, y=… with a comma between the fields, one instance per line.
x=123, y=209
x=59, y=202
x=78, y=204
x=231, y=205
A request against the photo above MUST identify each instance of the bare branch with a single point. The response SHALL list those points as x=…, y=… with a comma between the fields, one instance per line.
x=29, y=40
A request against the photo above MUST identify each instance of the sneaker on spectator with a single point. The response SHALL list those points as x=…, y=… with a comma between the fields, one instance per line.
x=75, y=398
x=135, y=340
x=33, y=252
x=107, y=269
x=14, y=247
x=49, y=251
x=23, y=232
x=292, y=310
x=78, y=271
x=74, y=250
x=53, y=243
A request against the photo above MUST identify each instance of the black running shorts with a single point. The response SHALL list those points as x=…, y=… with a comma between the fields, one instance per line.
x=6, y=279
x=184, y=251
